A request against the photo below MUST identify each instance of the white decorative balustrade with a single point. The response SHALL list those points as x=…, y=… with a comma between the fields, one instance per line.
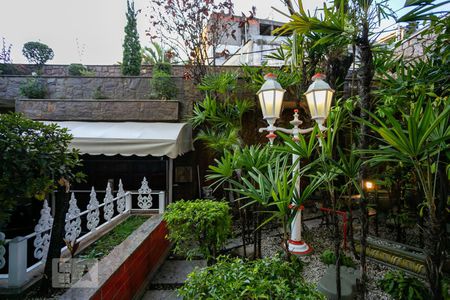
x=115, y=209
x=42, y=230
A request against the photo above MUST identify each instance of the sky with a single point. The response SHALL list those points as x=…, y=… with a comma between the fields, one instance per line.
x=92, y=31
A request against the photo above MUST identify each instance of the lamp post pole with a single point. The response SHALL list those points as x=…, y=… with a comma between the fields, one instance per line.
x=319, y=96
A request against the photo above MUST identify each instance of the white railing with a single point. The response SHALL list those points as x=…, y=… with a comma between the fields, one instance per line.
x=114, y=209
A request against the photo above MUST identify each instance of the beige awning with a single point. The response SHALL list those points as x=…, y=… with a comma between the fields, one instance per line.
x=130, y=138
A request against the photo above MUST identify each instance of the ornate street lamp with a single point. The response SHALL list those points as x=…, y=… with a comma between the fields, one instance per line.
x=319, y=96
x=271, y=99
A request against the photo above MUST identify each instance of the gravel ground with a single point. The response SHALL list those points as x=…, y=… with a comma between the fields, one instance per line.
x=319, y=238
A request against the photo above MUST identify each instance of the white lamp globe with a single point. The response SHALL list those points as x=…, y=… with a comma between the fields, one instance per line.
x=271, y=98
x=319, y=97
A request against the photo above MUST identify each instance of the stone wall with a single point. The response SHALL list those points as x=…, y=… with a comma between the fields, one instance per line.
x=69, y=87
x=106, y=83
x=99, y=110
x=414, y=46
x=101, y=70
x=95, y=88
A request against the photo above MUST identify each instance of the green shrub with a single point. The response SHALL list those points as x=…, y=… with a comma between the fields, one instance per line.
x=8, y=69
x=198, y=226
x=87, y=72
x=75, y=69
x=98, y=93
x=163, y=86
x=33, y=89
x=328, y=258
x=33, y=157
x=37, y=53
x=222, y=83
x=402, y=287
x=446, y=287
x=163, y=67
x=235, y=278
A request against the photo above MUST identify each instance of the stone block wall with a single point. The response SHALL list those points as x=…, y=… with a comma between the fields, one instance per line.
x=106, y=83
x=99, y=110
x=415, y=45
x=69, y=87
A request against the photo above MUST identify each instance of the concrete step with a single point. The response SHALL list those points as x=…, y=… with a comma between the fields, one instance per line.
x=161, y=295
x=174, y=272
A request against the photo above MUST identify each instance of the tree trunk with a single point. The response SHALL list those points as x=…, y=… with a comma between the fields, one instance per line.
x=436, y=237
x=351, y=236
x=434, y=246
x=290, y=7
x=56, y=239
x=365, y=75
x=363, y=242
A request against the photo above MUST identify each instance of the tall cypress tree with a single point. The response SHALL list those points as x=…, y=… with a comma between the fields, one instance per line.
x=131, y=62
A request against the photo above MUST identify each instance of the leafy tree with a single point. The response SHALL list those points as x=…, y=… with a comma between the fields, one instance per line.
x=182, y=24
x=33, y=156
x=34, y=160
x=412, y=97
x=420, y=140
x=37, y=53
x=131, y=62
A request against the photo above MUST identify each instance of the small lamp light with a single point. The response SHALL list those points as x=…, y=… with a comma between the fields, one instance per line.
x=271, y=98
x=369, y=185
x=319, y=96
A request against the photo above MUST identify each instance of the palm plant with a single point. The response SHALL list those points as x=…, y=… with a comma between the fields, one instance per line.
x=232, y=167
x=154, y=54
x=275, y=189
x=420, y=139
x=219, y=122
x=326, y=166
x=224, y=84
x=349, y=165
x=219, y=116
x=349, y=23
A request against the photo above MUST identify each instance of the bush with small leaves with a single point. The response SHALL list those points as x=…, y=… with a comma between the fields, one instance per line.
x=76, y=69
x=328, y=258
x=163, y=86
x=37, y=53
x=236, y=278
x=163, y=67
x=402, y=287
x=33, y=89
x=198, y=227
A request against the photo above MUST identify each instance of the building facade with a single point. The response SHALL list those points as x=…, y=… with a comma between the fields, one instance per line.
x=243, y=41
